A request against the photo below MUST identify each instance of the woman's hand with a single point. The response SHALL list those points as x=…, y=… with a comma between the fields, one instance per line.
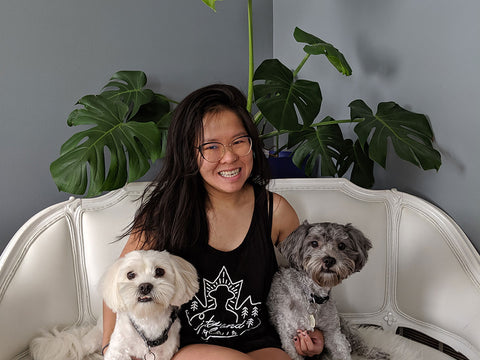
x=309, y=343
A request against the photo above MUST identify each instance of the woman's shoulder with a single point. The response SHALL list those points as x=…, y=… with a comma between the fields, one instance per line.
x=281, y=206
x=285, y=218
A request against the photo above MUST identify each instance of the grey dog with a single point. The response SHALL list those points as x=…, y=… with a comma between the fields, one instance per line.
x=320, y=256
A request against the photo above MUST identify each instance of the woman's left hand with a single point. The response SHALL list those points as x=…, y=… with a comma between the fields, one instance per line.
x=309, y=343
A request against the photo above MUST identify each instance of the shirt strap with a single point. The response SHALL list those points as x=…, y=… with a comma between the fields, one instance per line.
x=270, y=214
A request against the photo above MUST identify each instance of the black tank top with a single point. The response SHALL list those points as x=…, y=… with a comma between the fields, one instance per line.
x=229, y=308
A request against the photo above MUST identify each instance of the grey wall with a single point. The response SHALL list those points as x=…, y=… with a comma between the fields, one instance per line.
x=52, y=52
x=422, y=54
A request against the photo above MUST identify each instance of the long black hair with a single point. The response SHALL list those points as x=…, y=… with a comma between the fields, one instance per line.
x=172, y=215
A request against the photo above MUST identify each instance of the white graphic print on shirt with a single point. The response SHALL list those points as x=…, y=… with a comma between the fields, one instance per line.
x=222, y=296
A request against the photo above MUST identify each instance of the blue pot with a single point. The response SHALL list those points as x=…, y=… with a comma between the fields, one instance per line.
x=282, y=166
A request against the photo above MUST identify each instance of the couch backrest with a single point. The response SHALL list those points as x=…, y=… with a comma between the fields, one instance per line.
x=422, y=273
x=50, y=270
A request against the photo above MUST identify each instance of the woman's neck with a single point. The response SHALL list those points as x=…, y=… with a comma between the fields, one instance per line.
x=219, y=200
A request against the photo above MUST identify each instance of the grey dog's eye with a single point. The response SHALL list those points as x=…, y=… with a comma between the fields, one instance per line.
x=314, y=244
x=342, y=246
x=159, y=272
x=131, y=275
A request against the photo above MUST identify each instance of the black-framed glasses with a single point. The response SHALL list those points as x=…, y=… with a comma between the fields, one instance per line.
x=214, y=151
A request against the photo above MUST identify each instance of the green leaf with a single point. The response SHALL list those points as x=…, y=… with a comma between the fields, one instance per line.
x=362, y=171
x=410, y=133
x=163, y=125
x=280, y=96
x=128, y=87
x=324, y=141
x=211, y=3
x=154, y=110
x=139, y=142
x=318, y=47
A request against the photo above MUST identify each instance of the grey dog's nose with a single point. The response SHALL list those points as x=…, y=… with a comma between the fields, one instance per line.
x=329, y=262
x=145, y=288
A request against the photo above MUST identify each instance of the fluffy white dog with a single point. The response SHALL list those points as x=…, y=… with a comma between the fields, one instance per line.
x=145, y=289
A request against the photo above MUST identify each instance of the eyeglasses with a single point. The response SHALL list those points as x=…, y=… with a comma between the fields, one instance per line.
x=214, y=151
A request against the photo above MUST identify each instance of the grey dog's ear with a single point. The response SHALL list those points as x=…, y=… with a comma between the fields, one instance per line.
x=292, y=246
x=362, y=243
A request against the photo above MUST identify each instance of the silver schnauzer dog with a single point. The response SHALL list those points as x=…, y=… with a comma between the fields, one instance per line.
x=320, y=255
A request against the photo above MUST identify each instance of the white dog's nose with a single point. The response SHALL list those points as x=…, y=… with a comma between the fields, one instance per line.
x=145, y=288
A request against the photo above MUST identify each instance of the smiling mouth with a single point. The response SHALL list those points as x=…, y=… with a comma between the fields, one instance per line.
x=230, y=173
x=145, y=299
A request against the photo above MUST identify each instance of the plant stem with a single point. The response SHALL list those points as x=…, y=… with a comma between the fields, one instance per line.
x=250, y=58
x=333, y=122
x=277, y=133
x=274, y=133
x=257, y=118
x=299, y=67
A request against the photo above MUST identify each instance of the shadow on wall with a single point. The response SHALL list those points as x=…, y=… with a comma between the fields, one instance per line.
x=374, y=60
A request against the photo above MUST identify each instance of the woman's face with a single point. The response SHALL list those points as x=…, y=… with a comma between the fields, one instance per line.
x=230, y=173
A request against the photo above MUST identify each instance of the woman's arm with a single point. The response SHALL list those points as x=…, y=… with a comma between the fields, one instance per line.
x=108, y=326
x=285, y=219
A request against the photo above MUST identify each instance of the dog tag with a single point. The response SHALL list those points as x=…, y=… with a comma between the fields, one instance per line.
x=149, y=356
x=311, y=320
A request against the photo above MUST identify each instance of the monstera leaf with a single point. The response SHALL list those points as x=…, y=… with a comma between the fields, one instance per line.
x=211, y=3
x=129, y=130
x=139, y=142
x=154, y=111
x=128, y=87
x=354, y=154
x=324, y=141
x=280, y=96
x=317, y=46
x=410, y=133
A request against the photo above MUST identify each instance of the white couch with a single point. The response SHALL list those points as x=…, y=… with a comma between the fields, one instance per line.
x=422, y=278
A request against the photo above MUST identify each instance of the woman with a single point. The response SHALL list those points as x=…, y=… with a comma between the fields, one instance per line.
x=209, y=205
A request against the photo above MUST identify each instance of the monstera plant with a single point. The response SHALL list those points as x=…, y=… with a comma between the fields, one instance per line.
x=129, y=124
x=290, y=105
x=128, y=131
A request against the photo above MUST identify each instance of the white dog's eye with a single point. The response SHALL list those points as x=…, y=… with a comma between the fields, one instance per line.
x=314, y=244
x=342, y=246
x=159, y=272
x=131, y=275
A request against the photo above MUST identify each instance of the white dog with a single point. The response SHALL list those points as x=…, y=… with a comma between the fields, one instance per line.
x=145, y=289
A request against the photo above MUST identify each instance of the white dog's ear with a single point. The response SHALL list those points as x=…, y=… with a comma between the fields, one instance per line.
x=110, y=290
x=186, y=280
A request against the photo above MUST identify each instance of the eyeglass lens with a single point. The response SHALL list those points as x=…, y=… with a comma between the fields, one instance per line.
x=214, y=151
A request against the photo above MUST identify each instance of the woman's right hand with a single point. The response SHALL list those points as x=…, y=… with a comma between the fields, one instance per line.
x=309, y=343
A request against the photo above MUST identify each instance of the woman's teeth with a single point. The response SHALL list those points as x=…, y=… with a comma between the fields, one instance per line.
x=230, y=173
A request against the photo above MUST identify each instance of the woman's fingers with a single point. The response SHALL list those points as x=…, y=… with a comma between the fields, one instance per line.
x=309, y=343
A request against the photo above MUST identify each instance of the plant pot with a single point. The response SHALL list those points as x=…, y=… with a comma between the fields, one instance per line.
x=282, y=166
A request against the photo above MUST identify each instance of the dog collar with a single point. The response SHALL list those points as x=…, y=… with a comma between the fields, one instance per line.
x=162, y=338
x=319, y=299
